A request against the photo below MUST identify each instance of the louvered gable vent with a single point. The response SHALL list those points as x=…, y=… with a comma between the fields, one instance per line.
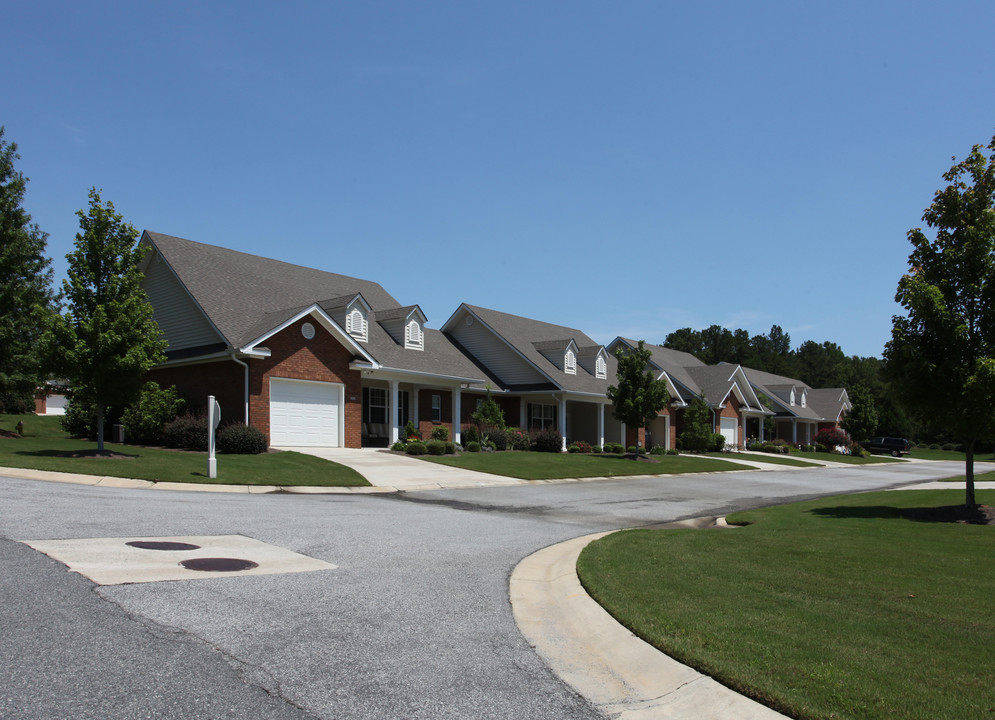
x=406, y=325
x=594, y=359
x=352, y=313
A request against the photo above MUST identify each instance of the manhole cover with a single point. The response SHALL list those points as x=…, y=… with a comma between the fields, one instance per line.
x=162, y=545
x=218, y=564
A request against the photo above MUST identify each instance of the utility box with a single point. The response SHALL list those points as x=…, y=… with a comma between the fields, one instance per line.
x=117, y=433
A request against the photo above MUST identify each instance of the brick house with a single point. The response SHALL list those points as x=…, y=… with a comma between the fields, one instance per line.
x=799, y=411
x=310, y=358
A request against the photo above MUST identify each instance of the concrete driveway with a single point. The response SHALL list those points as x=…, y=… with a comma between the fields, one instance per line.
x=414, y=620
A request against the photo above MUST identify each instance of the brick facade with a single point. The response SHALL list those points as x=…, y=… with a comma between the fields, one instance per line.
x=731, y=410
x=425, y=423
x=224, y=379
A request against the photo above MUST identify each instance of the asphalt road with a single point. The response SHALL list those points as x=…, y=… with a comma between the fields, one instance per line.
x=415, y=621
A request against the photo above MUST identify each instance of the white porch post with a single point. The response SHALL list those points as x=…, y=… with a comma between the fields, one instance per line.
x=563, y=422
x=522, y=407
x=794, y=431
x=414, y=408
x=621, y=426
x=601, y=424
x=456, y=415
x=395, y=412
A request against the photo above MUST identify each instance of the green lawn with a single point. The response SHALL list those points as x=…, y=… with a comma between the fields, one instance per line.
x=770, y=458
x=948, y=455
x=46, y=447
x=553, y=466
x=847, y=459
x=843, y=607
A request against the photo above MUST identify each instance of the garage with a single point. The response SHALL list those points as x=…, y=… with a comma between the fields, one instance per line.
x=730, y=431
x=305, y=413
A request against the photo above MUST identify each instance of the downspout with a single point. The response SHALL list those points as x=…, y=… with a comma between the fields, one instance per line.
x=246, y=390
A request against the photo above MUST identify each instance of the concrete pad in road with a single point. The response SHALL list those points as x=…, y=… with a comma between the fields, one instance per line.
x=111, y=561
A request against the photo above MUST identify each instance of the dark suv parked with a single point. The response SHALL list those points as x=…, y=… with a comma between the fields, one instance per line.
x=895, y=446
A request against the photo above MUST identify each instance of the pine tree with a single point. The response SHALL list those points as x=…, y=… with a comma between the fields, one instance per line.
x=26, y=297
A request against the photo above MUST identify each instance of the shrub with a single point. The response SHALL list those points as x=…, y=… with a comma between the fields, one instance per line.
x=808, y=448
x=470, y=434
x=614, y=448
x=489, y=414
x=410, y=431
x=450, y=447
x=579, y=447
x=673, y=451
x=547, y=440
x=472, y=446
x=831, y=437
x=436, y=447
x=440, y=432
x=821, y=448
x=489, y=445
x=187, y=432
x=596, y=449
x=718, y=442
x=658, y=450
x=239, y=439
x=857, y=451
x=80, y=420
x=416, y=447
x=144, y=419
x=399, y=446
x=934, y=446
x=948, y=446
x=518, y=440
x=498, y=436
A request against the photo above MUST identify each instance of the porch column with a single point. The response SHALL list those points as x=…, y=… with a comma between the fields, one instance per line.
x=522, y=408
x=794, y=431
x=563, y=422
x=414, y=408
x=456, y=415
x=622, y=439
x=601, y=424
x=394, y=411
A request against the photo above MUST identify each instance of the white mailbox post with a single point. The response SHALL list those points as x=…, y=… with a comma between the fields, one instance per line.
x=213, y=420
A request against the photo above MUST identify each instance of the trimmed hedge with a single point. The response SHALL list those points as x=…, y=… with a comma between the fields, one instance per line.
x=187, y=432
x=239, y=439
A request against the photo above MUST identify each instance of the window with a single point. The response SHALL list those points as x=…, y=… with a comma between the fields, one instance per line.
x=355, y=324
x=413, y=337
x=601, y=368
x=542, y=416
x=375, y=405
x=570, y=363
x=436, y=408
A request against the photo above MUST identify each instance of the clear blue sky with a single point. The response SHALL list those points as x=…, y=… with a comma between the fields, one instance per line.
x=624, y=168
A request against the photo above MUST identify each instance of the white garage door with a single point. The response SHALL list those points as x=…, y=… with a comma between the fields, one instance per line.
x=730, y=431
x=304, y=413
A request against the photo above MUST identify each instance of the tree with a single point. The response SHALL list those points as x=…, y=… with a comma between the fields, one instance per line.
x=699, y=432
x=489, y=414
x=862, y=420
x=639, y=396
x=27, y=300
x=941, y=356
x=107, y=340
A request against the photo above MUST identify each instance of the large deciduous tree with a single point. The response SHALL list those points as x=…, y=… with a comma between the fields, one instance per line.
x=941, y=356
x=107, y=340
x=639, y=396
x=26, y=297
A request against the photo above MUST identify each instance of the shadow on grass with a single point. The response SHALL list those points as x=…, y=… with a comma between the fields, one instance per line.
x=981, y=515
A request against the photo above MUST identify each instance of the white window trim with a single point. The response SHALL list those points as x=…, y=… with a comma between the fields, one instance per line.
x=436, y=408
x=600, y=368
x=570, y=362
x=357, y=330
x=414, y=336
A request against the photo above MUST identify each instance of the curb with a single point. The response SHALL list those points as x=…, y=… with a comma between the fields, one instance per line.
x=622, y=675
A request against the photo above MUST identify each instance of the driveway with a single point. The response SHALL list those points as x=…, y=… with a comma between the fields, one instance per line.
x=413, y=622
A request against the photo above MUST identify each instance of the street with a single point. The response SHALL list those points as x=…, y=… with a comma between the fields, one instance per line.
x=414, y=622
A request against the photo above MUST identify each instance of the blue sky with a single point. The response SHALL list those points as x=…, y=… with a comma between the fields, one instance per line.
x=625, y=168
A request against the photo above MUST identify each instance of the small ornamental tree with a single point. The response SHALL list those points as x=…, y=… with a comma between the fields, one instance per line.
x=489, y=414
x=639, y=396
x=107, y=340
x=941, y=356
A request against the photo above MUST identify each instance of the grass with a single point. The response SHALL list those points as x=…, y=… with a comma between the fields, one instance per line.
x=846, y=459
x=553, y=466
x=841, y=607
x=45, y=446
x=770, y=458
x=948, y=455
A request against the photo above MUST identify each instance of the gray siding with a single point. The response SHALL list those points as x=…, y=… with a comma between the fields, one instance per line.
x=182, y=323
x=500, y=359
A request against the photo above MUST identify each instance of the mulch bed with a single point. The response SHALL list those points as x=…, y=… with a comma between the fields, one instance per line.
x=981, y=515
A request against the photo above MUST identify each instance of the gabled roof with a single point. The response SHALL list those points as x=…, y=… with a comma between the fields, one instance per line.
x=778, y=388
x=247, y=297
x=525, y=336
x=830, y=403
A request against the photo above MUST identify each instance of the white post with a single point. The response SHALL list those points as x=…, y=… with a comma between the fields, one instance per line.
x=601, y=424
x=456, y=416
x=563, y=422
x=213, y=420
x=414, y=408
x=394, y=411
